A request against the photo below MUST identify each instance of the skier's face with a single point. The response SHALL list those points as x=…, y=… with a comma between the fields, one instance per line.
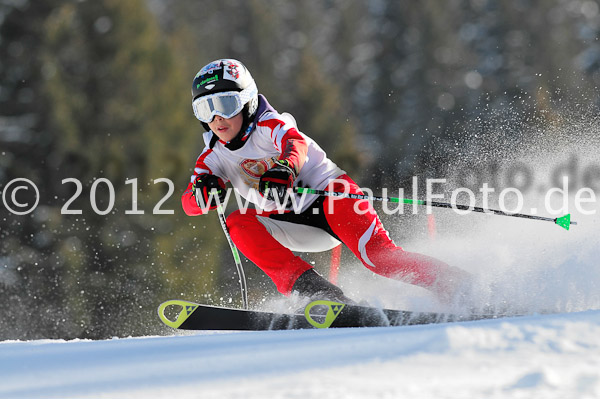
x=226, y=129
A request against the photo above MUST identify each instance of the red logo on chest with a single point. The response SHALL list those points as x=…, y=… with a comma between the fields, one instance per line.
x=254, y=168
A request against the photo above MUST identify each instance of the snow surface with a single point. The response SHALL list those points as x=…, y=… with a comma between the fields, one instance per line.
x=540, y=356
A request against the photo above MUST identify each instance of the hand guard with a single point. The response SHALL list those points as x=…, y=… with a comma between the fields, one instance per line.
x=277, y=180
x=202, y=188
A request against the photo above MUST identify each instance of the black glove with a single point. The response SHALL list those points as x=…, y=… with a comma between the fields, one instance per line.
x=202, y=188
x=277, y=180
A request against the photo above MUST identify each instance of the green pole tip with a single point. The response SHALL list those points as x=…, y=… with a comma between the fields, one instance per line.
x=564, y=222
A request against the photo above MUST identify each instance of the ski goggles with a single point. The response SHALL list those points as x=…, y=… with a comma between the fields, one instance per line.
x=226, y=104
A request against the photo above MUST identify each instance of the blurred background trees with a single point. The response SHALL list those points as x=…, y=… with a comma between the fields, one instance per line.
x=100, y=89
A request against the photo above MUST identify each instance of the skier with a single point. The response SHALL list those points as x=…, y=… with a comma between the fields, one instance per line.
x=256, y=149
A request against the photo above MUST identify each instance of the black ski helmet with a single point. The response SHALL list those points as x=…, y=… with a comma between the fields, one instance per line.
x=225, y=75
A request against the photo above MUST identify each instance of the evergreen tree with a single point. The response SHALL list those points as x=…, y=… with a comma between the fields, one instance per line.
x=110, y=103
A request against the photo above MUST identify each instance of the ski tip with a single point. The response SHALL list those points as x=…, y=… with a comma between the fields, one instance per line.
x=187, y=308
x=564, y=221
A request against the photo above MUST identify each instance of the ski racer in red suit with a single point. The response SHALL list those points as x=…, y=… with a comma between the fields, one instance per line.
x=263, y=154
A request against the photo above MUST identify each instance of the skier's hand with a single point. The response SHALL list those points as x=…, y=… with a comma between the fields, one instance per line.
x=276, y=181
x=203, y=187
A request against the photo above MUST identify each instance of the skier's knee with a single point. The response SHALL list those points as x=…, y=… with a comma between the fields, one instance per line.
x=232, y=217
x=239, y=225
x=237, y=220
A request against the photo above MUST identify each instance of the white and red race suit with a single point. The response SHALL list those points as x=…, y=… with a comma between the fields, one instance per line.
x=267, y=236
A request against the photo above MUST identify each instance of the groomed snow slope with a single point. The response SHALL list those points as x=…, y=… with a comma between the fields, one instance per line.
x=545, y=356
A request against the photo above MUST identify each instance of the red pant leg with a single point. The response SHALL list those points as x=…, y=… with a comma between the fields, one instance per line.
x=366, y=237
x=254, y=241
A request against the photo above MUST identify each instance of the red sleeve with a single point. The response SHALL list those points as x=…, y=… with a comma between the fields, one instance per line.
x=292, y=145
x=188, y=200
x=294, y=149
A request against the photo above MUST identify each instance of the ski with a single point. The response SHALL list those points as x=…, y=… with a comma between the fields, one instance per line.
x=331, y=314
x=317, y=314
x=194, y=316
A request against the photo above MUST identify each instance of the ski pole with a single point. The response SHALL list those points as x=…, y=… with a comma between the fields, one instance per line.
x=236, y=256
x=563, y=221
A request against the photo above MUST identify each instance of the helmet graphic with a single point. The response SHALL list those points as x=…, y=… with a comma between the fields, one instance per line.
x=223, y=87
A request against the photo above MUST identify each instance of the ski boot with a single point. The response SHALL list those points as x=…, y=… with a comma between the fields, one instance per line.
x=311, y=285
